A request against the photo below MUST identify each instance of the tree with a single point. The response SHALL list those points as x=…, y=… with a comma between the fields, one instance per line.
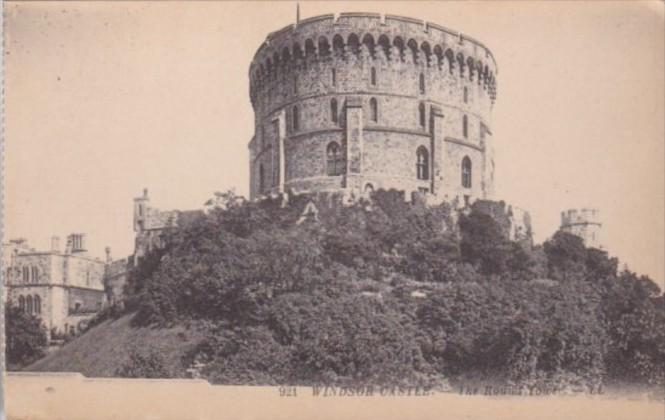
x=26, y=337
x=483, y=243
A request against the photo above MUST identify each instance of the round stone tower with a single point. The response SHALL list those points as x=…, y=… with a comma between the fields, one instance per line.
x=584, y=223
x=363, y=101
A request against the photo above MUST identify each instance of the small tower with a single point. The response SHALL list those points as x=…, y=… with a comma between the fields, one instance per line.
x=584, y=223
x=140, y=210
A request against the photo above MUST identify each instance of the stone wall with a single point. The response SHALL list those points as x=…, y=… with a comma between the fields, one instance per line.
x=59, y=280
x=400, y=64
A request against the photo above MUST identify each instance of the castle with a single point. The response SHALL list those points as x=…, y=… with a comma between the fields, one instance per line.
x=362, y=101
x=584, y=223
x=64, y=288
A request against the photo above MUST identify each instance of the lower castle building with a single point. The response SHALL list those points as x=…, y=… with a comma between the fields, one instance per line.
x=64, y=288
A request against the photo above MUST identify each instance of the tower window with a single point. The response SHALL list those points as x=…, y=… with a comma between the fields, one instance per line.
x=466, y=95
x=373, y=110
x=421, y=114
x=372, y=76
x=262, y=179
x=333, y=76
x=422, y=83
x=38, y=304
x=333, y=110
x=34, y=275
x=422, y=163
x=296, y=118
x=21, y=303
x=26, y=275
x=466, y=172
x=334, y=159
x=465, y=126
x=28, y=304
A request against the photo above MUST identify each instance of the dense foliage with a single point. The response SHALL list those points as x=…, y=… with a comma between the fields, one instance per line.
x=387, y=291
x=25, y=337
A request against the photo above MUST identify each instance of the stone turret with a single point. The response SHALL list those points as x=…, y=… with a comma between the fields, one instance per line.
x=584, y=223
x=363, y=101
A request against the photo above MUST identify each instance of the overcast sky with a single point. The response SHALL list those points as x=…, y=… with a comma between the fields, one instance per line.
x=104, y=99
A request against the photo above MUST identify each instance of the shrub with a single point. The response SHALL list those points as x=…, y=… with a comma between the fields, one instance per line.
x=144, y=363
x=25, y=337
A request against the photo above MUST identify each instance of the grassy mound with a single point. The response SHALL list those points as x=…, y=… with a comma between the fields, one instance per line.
x=109, y=346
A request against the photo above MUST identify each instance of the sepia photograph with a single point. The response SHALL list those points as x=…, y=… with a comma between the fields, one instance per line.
x=331, y=210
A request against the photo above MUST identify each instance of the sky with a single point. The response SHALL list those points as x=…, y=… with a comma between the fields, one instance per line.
x=103, y=99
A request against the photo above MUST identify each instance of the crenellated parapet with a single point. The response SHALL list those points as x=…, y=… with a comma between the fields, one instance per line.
x=365, y=39
x=580, y=216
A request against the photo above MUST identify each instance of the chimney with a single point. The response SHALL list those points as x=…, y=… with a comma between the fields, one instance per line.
x=76, y=243
x=55, y=244
x=145, y=193
x=108, y=254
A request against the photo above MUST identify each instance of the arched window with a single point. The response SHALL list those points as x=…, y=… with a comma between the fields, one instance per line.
x=296, y=118
x=466, y=95
x=333, y=76
x=26, y=274
x=369, y=188
x=372, y=76
x=21, y=303
x=333, y=110
x=334, y=159
x=38, y=304
x=35, y=275
x=422, y=83
x=421, y=114
x=422, y=163
x=262, y=179
x=28, y=304
x=373, y=110
x=465, y=126
x=466, y=172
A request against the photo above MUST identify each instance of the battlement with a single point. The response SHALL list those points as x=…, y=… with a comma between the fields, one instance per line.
x=370, y=37
x=580, y=217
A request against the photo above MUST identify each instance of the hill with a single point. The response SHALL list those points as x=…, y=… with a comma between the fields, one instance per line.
x=375, y=292
x=107, y=347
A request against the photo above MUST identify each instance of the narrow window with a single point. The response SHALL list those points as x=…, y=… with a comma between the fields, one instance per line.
x=262, y=180
x=334, y=159
x=333, y=76
x=26, y=275
x=296, y=119
x=421, y=114
x=422, y=163
x=373, y=110
x=466, y=95
x=372, y=76
x=35, y=275
x=38, y=304
x=466, y=172
x=465, y=126
x=21, y=303
x=28, y=304
x=333, y=110
x=422, y=83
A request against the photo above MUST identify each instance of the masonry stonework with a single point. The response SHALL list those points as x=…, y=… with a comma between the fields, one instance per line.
x=584, y=223
x=363, y=101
